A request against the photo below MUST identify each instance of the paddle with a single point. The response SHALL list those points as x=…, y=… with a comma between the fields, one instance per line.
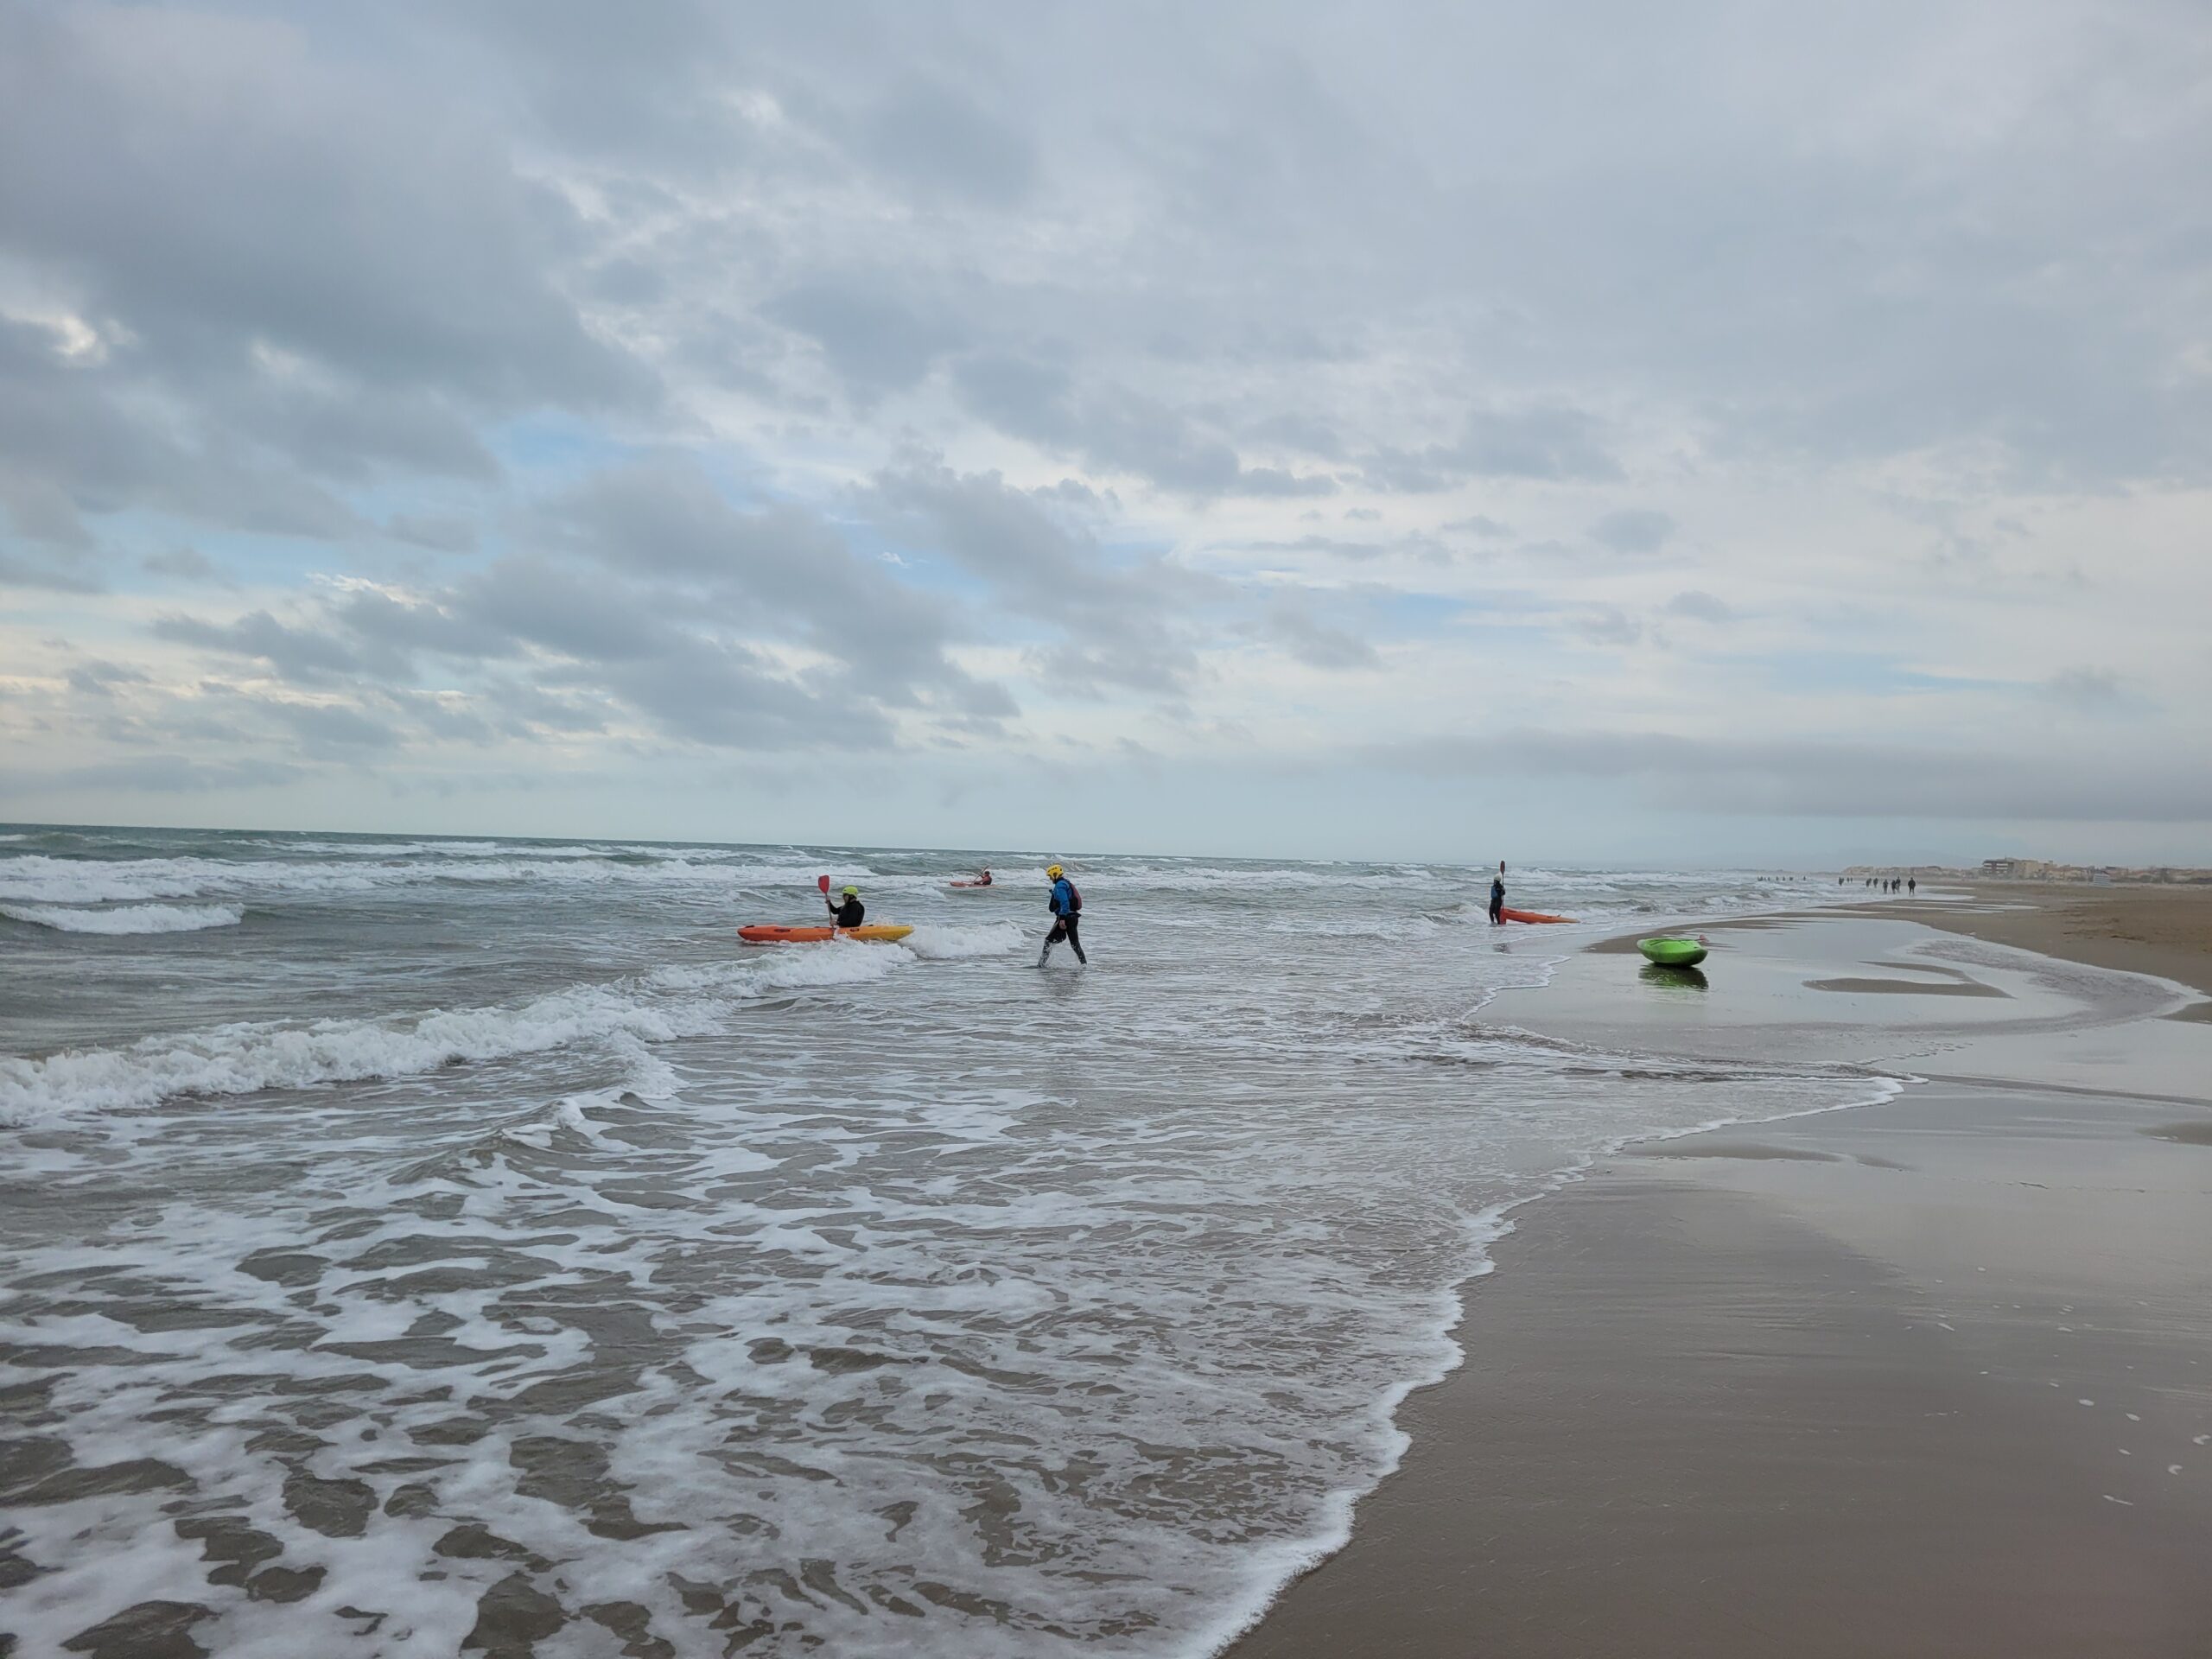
x=823, y=882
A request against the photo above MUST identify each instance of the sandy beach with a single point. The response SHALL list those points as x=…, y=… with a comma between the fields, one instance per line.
x=2161, y=929
x=1925, y=1378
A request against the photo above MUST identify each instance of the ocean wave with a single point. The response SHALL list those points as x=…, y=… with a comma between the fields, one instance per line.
x=246, y=1057
x=128, y=918
x=34, y=878
x=945, y=943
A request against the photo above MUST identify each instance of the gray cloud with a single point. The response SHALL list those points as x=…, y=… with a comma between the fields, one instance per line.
x=875, y=343
x=160, y=774
x=305, y=655
x=1633, y=529
x=1292, y=429
x=99, y=679
x=1700, y=607
x=1112, y=427
x=441, y=534
x=933, y=137
x=2087, y=690
x=1121, y=621
x=1820, y=777
x=1268, y=481
x=75, y=441
x=1293, y=625
x=1549, y=443
x=188, y=562
x=61, y=572
x=650, y=589
x=1608, y=625
x=329, y=214
x=300, y=275
x=334, y=727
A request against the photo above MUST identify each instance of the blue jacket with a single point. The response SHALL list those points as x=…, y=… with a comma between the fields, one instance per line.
x=1062, y=898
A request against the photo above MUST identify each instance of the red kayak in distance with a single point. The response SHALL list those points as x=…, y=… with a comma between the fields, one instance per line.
x=971, y=884
x=1532, y=916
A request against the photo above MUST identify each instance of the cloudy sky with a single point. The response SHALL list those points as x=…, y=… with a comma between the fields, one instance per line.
x=1591, y=431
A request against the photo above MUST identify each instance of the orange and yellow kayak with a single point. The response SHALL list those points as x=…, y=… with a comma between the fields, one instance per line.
x=1532, y=916
x=775, y=933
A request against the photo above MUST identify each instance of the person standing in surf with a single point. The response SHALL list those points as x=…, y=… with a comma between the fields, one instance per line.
x=1067, y=916
x=1497, y=896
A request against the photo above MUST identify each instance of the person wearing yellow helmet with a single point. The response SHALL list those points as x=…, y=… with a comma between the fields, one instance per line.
x=1067, y=913
x=846, y=909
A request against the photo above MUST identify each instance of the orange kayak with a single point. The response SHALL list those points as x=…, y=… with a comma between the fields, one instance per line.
x=1532, y=916
x=775, y=933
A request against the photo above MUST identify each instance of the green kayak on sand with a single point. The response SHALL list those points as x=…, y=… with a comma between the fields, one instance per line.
x=1672, y=953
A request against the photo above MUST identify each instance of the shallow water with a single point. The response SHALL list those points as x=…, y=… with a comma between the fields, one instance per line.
x=413, y=1242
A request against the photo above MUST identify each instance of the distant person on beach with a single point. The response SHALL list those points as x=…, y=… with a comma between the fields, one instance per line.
x=1912, y=884
x=1497, y=896
x=1067, y=916
x=846, y=909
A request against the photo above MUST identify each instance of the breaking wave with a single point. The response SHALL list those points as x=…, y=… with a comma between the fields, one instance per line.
x=128, y=918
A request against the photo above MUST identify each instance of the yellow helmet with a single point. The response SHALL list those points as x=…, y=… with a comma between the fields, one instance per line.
x=1054, y=874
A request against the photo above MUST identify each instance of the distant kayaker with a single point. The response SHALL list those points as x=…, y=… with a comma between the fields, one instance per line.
x=983, y=876
x=1497, y=896
x=845, y=910
x=1067, y=916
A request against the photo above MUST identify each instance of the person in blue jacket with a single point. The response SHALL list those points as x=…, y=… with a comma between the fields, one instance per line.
x=1067, y=916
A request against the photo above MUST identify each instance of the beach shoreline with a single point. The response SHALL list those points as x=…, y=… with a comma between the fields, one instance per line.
x=1798, y=1385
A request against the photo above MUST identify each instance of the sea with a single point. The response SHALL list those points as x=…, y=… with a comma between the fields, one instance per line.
x=411, y=1245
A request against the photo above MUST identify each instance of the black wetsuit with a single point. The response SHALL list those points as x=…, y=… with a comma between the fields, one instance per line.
x=1067, y=921
x=1497, y=899
x=851, y=913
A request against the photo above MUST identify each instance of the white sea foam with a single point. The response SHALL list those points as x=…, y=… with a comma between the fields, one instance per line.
x=128, y=918
x=240, y=1059
x=245, y=1058
x=943, y=942
x=37, y=878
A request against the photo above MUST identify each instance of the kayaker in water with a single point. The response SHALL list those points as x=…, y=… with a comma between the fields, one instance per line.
x=1067, y=916
x=983, y=876
x=850, y=912
x=1497, y=896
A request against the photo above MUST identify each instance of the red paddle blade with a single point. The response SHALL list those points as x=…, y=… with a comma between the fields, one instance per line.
x=823, y=882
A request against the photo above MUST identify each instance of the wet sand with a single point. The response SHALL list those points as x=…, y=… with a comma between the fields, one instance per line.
x=1932, y=1377
x=2162, y=931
